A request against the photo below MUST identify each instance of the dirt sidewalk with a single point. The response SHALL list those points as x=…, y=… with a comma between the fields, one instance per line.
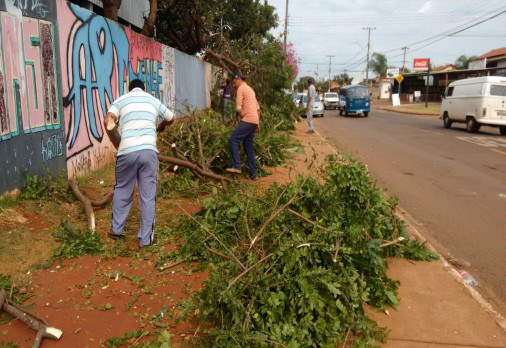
x=436, y=308
x=95, y=297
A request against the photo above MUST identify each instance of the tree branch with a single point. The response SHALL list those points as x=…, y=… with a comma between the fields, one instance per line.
x=88, y=209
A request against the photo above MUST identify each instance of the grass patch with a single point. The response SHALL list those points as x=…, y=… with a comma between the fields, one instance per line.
x=421, y=107
x=75, y=243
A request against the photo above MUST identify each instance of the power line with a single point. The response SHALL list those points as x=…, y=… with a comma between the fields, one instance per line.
x=453, y=31
x=456, y=32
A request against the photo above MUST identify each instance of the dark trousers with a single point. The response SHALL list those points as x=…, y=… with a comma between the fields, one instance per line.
x=244, y=132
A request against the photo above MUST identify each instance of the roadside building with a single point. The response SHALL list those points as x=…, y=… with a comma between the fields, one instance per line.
x=334, y=86
x=492, y=59
x=492, y=63
x=131, y=13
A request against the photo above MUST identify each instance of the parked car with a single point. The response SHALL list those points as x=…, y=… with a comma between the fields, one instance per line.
x=476, y=101
x=354, y=99
x=330, y=100
x=317, y=106
x=296, y=98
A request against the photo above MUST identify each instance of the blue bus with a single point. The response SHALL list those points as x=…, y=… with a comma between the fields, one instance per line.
x=354, y=100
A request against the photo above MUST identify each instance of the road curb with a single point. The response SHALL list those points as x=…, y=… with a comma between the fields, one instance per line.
x=487, y=306
x=404, y=111
x=413, y=231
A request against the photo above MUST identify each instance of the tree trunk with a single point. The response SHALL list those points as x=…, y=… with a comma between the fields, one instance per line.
x=149, y=23
x=111, y=8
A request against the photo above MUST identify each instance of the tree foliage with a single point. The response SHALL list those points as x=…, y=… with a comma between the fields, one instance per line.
x=343, y=79
x=306, y=280
x=463, y=61
x=191, y=25
x=378, y=64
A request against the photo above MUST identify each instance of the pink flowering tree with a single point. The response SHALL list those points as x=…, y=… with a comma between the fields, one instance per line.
x=292, y=60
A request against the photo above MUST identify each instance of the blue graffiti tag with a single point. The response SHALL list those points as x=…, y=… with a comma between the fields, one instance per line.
x=52, y=147
x=149, y=72
x=98, y=67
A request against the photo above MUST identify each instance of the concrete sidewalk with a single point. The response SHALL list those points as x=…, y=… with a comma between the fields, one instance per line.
x=437, y=309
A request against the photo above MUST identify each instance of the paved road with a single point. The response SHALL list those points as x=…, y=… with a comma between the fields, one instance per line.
x=452, y=182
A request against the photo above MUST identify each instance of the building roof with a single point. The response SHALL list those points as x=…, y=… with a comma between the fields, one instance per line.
x=494, y=53
x=446, y=67
x=334, y=84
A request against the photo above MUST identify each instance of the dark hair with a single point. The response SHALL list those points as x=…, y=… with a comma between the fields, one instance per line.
x=228, y=81
x=310, y=81
x=136, y=84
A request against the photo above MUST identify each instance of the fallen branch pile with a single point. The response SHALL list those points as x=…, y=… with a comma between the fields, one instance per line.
x=296, y=266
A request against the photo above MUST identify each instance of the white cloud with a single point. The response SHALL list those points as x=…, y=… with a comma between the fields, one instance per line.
x=426, y=7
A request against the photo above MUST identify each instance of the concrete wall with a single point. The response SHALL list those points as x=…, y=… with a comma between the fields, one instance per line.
x=190, y=89
x=61, y=67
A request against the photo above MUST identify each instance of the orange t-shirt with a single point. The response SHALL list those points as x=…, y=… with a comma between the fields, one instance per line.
x=247, y=100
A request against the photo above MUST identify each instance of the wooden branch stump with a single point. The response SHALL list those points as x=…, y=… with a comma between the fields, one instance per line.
x=30, y=320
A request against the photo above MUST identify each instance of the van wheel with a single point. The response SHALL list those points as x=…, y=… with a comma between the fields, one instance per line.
x=340, y=112
x=472, y=125
x=502, y=130
x=366, y=114
x=447, y=123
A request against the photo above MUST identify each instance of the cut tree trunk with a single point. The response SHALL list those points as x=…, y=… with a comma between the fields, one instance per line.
x=149, y=23
x=111, y=9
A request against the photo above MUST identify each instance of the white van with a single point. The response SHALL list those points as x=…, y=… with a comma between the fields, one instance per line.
x=476, y=101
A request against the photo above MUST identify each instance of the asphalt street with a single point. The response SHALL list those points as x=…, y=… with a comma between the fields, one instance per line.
x=451, y=182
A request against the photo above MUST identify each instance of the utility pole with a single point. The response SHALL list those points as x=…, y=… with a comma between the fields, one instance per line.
x=330, y=65
x=404, y=59
x=402, y=71
x=368, y=50
x=286, y=24
x=317, y=72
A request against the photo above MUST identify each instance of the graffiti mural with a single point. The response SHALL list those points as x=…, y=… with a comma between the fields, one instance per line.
x=29, y=93
x=99, y=58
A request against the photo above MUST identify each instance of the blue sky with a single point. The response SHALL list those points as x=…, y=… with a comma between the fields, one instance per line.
x=319, y=28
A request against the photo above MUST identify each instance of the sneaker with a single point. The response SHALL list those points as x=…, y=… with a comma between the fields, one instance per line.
x=233, y=170
x=311, y=131
x=114, y=236
x=254, y=178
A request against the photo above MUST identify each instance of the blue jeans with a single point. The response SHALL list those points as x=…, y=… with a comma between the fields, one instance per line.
x=244, y=132
x=140, y=166
x=226, y=114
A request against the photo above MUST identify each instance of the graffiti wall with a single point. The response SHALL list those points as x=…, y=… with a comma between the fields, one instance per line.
x=99, y=58
x=61, y=67
x=31, y=128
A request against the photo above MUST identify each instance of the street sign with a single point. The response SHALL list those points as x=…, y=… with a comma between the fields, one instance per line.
x=421, y=64
x=392, y=72
x=399, y=78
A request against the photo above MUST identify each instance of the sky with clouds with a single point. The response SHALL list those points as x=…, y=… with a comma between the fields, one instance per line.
x=319, y=28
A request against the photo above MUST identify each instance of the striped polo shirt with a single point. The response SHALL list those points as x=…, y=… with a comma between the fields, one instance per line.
x=138, y=114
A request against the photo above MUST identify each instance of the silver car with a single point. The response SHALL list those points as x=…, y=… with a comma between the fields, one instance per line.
x=317, y=106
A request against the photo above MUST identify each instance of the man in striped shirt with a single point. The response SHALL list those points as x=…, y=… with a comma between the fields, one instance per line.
x=138, y=116
x=249, y=111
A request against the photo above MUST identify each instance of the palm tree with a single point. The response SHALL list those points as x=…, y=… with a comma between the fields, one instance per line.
x=378, y=64
x=463, y=61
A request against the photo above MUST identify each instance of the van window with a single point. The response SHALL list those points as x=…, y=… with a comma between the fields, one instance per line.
x=359, y=92
x=498, y=90
x=468, y=90
x=449, y=92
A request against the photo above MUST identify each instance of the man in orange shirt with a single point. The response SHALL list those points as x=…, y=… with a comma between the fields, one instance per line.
x=249, y=111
